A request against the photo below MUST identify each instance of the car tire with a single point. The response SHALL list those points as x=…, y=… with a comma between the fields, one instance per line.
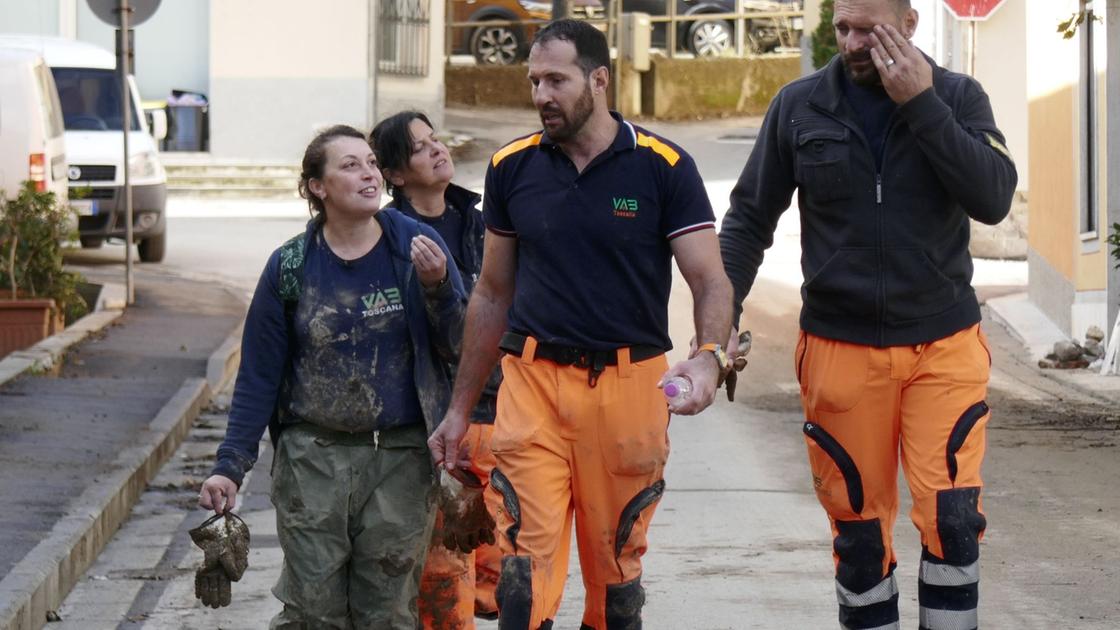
x=494, y=45
x=153, y=248
x=711, y=38
x=91, y=242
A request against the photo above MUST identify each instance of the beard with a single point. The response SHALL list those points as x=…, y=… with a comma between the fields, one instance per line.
x=861, y=69
x=571, y=123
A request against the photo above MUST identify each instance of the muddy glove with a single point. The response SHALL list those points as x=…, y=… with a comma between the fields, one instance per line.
x=224, y=540
x=467, y=523
x=738, y=365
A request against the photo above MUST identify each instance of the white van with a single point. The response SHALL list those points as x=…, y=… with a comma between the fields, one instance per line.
x=89, y=91
x=32, y=145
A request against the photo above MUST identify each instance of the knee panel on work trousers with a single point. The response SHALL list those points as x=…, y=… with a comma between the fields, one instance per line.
x=624, y=605
x=867, y=598
x=948, y=587
x=515, y=593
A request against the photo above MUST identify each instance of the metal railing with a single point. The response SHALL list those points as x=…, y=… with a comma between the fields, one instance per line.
x=786, y=27
x=404, y=36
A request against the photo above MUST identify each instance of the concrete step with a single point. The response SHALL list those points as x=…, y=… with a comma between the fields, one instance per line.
x=232, y=191
x=234, y=180
x=232, y=171
x=198, y=175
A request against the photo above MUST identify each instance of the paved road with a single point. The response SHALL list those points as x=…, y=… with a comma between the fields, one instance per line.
x=739, y=541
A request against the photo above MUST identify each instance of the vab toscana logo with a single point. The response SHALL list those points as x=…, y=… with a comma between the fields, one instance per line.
x=625, y=207
x=381, y=302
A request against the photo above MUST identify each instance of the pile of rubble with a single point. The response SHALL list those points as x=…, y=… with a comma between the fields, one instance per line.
x=1069, y=355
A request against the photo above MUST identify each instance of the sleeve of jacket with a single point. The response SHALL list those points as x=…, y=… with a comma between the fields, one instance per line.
x=759, y=198
x=264, y=362
x=965, y=149
x=446, y=306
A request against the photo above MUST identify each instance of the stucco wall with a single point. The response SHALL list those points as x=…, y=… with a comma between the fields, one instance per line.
x=1001, y=67
x=1068, y=269
x=271, y=90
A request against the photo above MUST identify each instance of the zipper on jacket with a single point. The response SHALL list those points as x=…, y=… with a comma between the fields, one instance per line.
x=881, y=220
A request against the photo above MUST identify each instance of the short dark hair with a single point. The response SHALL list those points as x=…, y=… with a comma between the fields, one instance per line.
x=592, y=51
x=392, y=141
x=315, y=158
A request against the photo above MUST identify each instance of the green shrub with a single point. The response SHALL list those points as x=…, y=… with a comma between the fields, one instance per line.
x=32, y=229
x=824, y=37
x=1114, y=241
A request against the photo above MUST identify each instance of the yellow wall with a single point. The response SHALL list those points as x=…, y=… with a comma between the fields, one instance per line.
x=1054, y=109
x=1053, y=174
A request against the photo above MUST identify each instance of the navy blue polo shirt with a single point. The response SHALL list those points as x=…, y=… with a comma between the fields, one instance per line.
x=594, y=265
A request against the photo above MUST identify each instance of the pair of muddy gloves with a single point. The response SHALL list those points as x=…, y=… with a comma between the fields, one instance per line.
x=224, y=539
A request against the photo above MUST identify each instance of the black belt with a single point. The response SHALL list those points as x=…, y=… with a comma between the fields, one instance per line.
x=593, y=360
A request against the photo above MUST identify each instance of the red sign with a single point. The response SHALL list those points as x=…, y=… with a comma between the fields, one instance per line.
x=972, y=9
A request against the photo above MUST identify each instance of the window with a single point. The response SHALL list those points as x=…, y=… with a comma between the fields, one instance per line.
x=1089, y=213
x=403, y=35
x=91, y=99
x=48, y=99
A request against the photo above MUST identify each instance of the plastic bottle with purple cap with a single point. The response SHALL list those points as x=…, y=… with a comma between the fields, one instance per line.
x=677, y=389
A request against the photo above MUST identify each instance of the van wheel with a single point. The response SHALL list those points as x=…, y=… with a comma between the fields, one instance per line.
x=91, y=242
x=152, y=249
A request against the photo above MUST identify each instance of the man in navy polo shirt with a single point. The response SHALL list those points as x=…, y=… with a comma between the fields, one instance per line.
x=584, y=219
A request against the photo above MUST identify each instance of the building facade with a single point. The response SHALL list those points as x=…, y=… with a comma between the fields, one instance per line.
x=273, y=71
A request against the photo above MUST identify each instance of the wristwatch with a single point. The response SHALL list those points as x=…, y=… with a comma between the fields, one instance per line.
x=718, y=353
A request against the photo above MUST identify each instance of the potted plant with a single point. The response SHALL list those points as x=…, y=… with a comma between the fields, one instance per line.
x=36, y=294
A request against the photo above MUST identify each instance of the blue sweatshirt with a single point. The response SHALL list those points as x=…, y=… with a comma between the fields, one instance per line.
x=261, y=395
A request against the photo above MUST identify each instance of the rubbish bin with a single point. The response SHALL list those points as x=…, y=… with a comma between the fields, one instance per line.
x=190, y=116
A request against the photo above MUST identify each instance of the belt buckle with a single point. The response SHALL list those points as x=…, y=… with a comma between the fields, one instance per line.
x=580, y=358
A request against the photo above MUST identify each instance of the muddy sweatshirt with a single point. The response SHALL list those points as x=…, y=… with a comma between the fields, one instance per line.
x=274, y=372
x=884, y=249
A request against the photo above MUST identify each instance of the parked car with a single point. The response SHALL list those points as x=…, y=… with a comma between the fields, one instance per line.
x=32, y=142
x=503, y=44
x=716, y=37
x=89, y=92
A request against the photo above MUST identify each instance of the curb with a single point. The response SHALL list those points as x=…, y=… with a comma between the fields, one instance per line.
x=40, y=582
x=43, y=356
x=1027, y=323
x=223, y=362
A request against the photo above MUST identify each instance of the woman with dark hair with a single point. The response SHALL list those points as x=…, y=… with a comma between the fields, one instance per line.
x=344, y=359
x=418, y=169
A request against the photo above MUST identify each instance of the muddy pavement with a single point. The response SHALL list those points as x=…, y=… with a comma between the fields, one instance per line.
x=738, y=541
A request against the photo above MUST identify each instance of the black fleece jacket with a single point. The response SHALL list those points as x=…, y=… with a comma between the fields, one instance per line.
x=884, y=251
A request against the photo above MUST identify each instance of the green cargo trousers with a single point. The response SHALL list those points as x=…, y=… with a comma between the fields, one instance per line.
x=354, y=515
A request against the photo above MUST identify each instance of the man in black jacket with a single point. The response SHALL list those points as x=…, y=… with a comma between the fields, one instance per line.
x=891, y=155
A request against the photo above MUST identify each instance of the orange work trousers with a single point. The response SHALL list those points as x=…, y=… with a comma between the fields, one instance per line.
x=455, y=587
x=866, y=408
x=568, y=449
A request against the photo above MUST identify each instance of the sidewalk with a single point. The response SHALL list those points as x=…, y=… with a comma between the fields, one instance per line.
x=77, y=449
x=1037, y=333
